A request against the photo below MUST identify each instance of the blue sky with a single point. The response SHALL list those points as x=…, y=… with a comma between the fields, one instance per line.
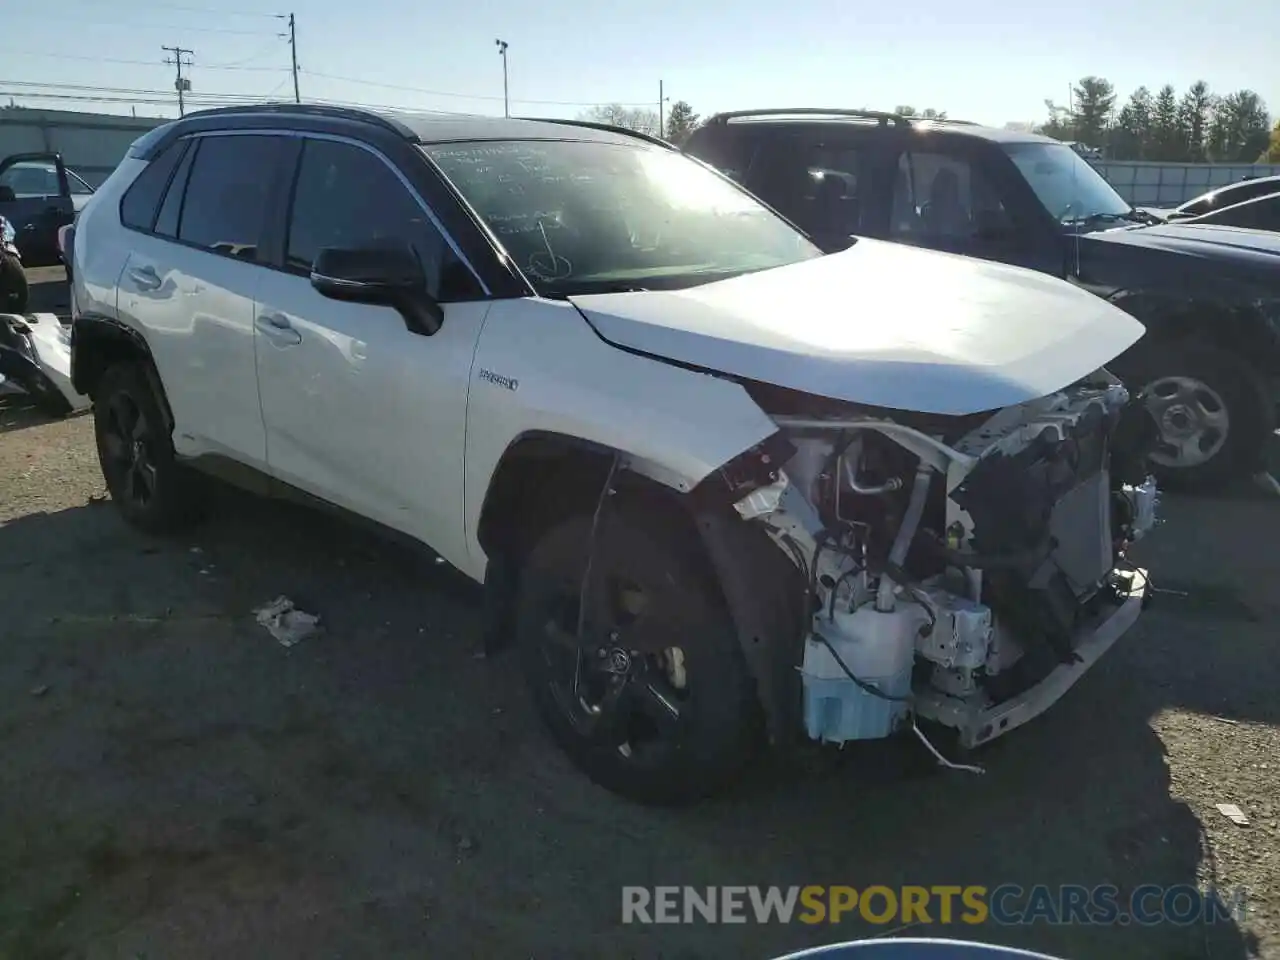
x=986, y=60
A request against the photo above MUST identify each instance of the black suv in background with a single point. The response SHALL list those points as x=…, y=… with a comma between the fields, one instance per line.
x=1208, y=295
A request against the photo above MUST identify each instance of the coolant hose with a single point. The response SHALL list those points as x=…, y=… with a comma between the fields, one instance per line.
x=906, y=533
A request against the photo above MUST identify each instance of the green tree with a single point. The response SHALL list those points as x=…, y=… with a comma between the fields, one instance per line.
x=1092, y=109
x=1194, y=113
x=681, y=122
x=1167, y=141
x=1131, y=137
x=926, y=114
x=1272, y=154
x=1240, y=129
x=1059, y=125
x=640, y=119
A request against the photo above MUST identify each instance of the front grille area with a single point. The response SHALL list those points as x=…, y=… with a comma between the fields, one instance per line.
x=1047, y=509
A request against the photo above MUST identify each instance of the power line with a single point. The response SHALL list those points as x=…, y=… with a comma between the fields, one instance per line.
x=234, y=65
x=145, y=26
x=94, y=88
x=187, y=8
x=475, y=96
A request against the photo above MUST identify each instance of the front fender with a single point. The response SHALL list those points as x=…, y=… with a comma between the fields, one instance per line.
x=539, y=368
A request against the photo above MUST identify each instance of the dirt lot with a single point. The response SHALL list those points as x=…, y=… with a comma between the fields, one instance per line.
x=176, y=784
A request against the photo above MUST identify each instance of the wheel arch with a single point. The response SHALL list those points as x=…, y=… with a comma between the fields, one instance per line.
x=99, y=343
x=544, y=478
x=1230, y=322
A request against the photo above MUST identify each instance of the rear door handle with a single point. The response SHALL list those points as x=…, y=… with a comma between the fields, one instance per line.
x=277, y=328
x=145, y=277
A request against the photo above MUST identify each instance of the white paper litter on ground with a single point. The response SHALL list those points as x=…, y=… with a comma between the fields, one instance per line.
x=285, y=622
x=1233, y=813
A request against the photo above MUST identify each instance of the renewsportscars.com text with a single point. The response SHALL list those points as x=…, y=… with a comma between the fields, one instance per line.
x=1007, y=904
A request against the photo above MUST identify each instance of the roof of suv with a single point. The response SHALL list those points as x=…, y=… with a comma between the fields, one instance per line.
x=810, y=116
x=425, y=128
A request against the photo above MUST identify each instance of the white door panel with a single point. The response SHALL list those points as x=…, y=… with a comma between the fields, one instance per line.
x=365, y=414
x=196, y=311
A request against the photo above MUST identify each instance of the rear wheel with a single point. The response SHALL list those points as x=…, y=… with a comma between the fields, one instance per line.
x=1212, y=411
x=652, y=699
x=152, y=490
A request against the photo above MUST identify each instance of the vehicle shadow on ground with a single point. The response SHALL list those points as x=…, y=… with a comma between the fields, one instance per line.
x=18, y=412
x=182, y=785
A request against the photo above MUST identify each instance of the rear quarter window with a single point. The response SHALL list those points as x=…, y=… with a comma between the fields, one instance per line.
x=139, y=204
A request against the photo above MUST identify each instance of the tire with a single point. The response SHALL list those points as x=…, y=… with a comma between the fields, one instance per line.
x=152, y=490
x=14, y=292
x=636, y=746
x=1196, y=390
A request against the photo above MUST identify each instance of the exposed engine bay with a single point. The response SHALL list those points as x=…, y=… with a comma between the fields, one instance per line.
x=965, y=570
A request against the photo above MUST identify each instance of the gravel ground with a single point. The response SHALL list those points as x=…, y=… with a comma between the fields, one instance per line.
x=176, y=784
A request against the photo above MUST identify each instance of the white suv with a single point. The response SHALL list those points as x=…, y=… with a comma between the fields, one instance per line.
x=720, y=488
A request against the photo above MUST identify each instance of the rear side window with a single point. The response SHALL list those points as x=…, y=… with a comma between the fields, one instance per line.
x=138, y=206
x=936, y=196
x=228, y=191
x=813, y=183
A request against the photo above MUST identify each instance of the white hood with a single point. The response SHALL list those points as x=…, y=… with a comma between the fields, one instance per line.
x=880, y=324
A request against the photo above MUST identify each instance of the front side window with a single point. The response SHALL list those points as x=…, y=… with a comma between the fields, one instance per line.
x=228, y=193
x=346, y=196
x=583, y=216
x=29, y=179
x=1065, y=184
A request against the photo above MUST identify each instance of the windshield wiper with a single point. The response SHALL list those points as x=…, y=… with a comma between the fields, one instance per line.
x=1129, y=216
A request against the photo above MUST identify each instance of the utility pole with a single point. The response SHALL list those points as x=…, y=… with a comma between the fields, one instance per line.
x=662, y=127
x=502, y=52
x=293, y=51
x=181, y=84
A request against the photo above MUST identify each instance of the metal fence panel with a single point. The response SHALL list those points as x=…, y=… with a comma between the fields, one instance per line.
x=1148, y=184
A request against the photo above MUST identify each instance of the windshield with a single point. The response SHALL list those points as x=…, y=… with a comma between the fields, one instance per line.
x=1068, y=187
x=580, y=217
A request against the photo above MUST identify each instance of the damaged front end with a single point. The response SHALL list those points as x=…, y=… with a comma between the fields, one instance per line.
x=35, y=357
x=966, y=569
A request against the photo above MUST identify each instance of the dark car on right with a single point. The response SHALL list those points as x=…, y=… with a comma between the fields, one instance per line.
x=1256, y=213
x=1209, y=296
x=1220, y=198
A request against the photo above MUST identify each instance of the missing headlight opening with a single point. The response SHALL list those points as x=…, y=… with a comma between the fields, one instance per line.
x=965, y=573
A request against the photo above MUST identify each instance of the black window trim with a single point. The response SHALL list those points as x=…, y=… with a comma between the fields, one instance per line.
x=287, y=171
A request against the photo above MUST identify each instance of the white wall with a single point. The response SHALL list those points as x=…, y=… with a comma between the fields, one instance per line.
x=90, y=143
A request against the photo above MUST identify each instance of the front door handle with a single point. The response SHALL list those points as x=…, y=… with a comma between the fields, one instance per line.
x=145, y=277
x=277, y=328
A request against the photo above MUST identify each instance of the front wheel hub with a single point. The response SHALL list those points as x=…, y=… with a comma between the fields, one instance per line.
x=1193, y=421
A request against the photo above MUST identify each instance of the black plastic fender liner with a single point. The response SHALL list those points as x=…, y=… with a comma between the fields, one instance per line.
x=765, y=594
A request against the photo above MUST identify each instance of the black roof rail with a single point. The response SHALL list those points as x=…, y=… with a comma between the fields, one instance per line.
x=884, y=118
x=309, y=110
x=607, y=127
x=963, y=123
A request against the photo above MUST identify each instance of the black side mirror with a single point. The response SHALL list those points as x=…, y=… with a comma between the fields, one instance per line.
x=384, y=274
